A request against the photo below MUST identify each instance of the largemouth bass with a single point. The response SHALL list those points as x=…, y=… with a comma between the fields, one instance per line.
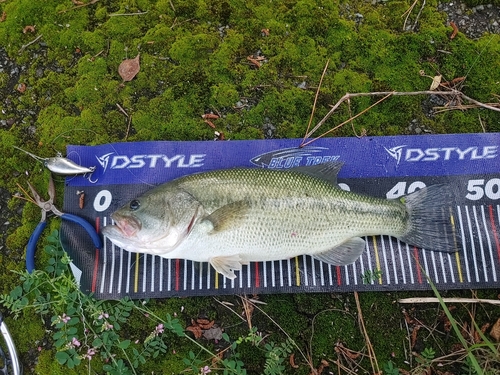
x=236, y=216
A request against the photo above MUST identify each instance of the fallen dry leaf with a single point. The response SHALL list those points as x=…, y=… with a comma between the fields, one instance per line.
x=21, y=87
x=210, y=123
x=292, y=361
x=3, y=17
x=455, y=30
x=495, y=331
x=129, y=68
x=205, y=323
x=29, y=29
x=196, y=330
x=435, y=83
x=211, y=116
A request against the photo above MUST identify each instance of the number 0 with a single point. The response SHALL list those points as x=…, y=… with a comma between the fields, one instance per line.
x=102, y=200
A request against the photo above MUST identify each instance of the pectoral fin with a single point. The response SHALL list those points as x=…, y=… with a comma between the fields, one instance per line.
x=226, y=265
x=229, y=215
x=343, y=254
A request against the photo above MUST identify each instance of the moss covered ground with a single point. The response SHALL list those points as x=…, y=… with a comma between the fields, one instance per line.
x=59, y=85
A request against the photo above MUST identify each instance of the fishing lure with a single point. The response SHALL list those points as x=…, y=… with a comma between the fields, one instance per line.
x=60, y=165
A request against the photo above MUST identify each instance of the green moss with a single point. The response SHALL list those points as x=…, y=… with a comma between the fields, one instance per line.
x=47, y=364
x=26, y=331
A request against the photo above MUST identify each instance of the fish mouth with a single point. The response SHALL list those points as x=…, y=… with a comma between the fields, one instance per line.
x=128, y=226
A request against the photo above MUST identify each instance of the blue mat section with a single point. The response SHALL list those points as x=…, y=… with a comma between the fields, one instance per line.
x=379, y=166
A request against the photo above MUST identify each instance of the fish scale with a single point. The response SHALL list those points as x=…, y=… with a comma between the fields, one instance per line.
x=235, y=216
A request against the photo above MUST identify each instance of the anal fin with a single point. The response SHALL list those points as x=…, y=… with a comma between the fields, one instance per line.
x=345, y=253
x=226, y=265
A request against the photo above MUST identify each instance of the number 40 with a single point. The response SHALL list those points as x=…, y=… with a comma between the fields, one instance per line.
x=400, y=190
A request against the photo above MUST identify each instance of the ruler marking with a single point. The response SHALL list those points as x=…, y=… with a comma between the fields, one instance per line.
x=249, y=275
x=403, y=270
x=136, y=273
x=433, y=258
x=209, y=269
x=321, y=274
x=104, y=263
x=417, y=262
x=473, y=246
x=313, y=270
x=346, y=271
x=129, y=268
x=273, y=273
x=169, y=272
x=264, y=273
x=464, y=247
x=161, y=274
x=304, y=263
x=490, y=249
x=282, y=280
x=481, y=245
x=330, y=276
x=120, y=273
x=112, y=275
x=297, y=274
x=443, y=268
x=377, y=258
x=393, y=257
x=386, y=265
x=426, y=265
x=200, y=275
x=193, y=278
x=153, y=259
x=144, y=272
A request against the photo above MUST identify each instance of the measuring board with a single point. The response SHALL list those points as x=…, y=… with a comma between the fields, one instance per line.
x=387, y=167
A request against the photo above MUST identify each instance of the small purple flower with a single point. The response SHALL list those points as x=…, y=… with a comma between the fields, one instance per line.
x=106, y=326
x=159, y=329
x=65, y=318
x=205, y=370
x=75, y=342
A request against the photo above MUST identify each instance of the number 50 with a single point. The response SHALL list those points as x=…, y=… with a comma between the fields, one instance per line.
x=476, y=190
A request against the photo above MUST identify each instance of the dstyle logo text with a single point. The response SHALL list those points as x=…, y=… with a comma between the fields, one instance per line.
x=400, y=153
x=151, y=161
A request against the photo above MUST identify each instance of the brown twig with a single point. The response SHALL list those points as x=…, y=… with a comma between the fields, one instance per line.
x=371, y=351
x=316, y=98
x=129, y=119
x=78, y=6
x=24, y=46
x=27, y=196
x=409, y=11
x=127, y=14
x=447, y=300
x=347, y=97
x=451, y=92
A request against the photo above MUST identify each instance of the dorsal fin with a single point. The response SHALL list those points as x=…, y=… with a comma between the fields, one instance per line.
x=326, y=171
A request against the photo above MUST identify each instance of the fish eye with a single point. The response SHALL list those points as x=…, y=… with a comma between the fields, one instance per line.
x=135, y=204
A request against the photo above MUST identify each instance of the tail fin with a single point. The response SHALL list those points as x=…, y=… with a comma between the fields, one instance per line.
x=430, y=222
